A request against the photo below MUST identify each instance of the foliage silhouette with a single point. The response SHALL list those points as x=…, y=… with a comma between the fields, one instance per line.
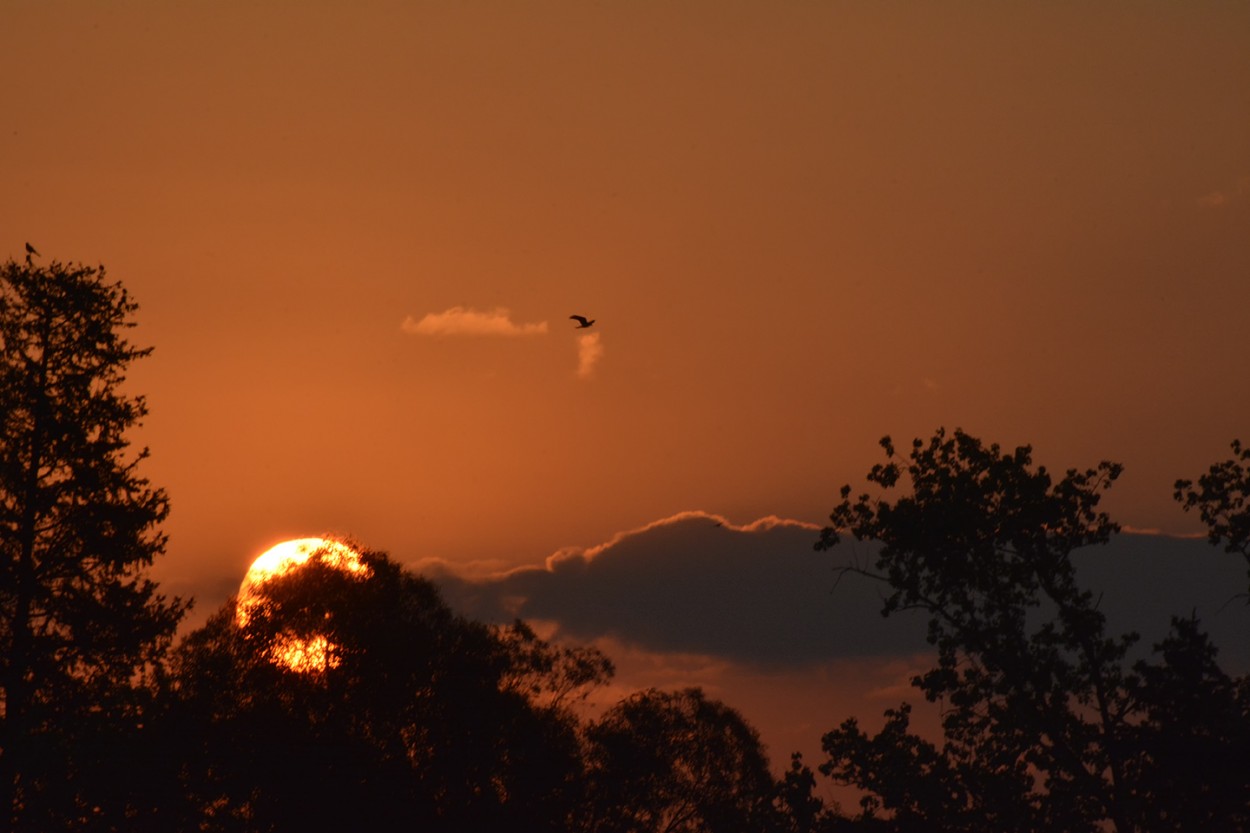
x=677, y=762
x=1192, y=770
x=1222, y=498
x=82, y=630
x=1044, y=728
x=802, y=811
x=423, y=718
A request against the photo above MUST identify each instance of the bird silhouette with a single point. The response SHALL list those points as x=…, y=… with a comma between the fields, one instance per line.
x=30, y=250
x=582, y=322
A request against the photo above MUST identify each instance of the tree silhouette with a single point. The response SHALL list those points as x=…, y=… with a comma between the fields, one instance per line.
x=801, y=810
x=1222, y=498
x=1033, y=691
x=1196, y=733
x=1192, y=770
x=422, y=719
x=81, y=627
x=677, y=762
x=555, y=677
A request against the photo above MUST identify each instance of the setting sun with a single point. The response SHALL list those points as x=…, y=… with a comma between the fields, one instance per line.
x=297, y=653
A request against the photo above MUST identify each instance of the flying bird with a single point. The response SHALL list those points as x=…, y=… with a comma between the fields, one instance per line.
x=30, y=250
x=582, y=322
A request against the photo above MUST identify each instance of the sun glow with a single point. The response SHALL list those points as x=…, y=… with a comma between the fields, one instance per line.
x=297, y=653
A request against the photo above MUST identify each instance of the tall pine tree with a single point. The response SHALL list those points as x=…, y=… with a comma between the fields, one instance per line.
x=81, y=626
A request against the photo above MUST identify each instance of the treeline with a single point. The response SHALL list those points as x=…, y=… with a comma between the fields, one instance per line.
x=413, y=717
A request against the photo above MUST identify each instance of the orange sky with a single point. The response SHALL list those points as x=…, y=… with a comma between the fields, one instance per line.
x=799, y=226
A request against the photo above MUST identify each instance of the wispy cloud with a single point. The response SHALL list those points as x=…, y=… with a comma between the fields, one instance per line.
x=463, y=321
x=589, y=352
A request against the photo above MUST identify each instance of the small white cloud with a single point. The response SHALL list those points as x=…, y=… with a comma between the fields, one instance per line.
x=589, y=351
x=462, y=321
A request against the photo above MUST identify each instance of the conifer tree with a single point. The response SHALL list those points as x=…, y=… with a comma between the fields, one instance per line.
x=81, y=625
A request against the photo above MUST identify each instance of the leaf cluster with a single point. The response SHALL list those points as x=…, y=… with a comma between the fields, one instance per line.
x=1222, y=498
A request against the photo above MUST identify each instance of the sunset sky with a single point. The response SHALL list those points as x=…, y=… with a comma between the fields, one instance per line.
x=356, y=233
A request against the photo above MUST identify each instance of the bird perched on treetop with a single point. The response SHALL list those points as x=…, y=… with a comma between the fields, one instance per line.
x=30, y=250
x=582, y=323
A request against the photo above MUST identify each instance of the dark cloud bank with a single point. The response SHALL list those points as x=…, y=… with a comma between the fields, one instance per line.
x=761, y=595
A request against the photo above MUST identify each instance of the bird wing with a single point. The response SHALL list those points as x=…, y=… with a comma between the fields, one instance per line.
x=579, y=319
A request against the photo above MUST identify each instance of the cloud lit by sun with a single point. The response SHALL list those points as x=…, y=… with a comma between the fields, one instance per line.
x=463, y=321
